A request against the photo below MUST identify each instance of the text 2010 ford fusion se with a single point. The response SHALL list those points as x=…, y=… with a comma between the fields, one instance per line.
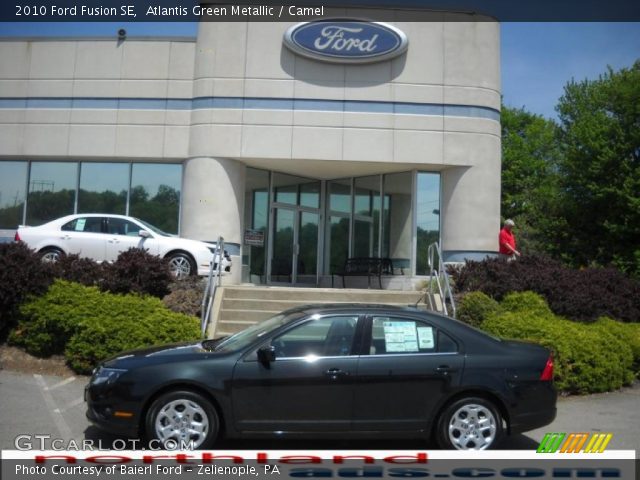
x=331, y=371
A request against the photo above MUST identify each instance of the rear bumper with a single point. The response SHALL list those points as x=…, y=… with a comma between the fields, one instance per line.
x=532, y=420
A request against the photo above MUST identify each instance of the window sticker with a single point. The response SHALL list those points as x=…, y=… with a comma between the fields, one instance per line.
x=400, y=336
x=80, y=223
x=425, y=338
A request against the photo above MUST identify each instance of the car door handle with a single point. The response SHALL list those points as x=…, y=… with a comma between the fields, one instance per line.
x=65, y=237
x=445, y=369
x=114, y=240
x=335, y=373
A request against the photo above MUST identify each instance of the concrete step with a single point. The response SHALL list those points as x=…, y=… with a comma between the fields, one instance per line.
x=229, y=327
x=280, y=305
x=246, y=315
x=311, y=295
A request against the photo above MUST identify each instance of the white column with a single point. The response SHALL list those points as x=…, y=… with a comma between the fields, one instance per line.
x=213, y=203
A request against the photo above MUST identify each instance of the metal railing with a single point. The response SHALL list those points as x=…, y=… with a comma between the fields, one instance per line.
x=215, y=269
x=438, y=275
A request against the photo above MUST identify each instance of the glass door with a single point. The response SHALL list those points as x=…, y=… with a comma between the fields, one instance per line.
x=283, y=245
x=295, y=246
x=307, y=257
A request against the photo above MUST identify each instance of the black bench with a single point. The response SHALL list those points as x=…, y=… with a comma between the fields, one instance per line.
x=369, y=266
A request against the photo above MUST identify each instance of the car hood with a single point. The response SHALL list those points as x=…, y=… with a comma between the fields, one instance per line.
x=186, y=243
x=161, y=354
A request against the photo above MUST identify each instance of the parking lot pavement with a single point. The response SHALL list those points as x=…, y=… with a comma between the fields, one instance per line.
x=54, y=406
x=38, y=404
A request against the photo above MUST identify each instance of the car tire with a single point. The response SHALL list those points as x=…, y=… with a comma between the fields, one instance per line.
x=180, y=417
x=181, y=265
x=471, y=423
x=50, y=254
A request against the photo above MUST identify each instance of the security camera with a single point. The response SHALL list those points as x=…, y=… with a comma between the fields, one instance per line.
x=122, y=33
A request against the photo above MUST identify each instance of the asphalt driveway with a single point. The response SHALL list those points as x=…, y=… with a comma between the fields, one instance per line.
x=53, y=407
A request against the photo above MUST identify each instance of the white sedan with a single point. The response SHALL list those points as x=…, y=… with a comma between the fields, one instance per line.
x=102, y=237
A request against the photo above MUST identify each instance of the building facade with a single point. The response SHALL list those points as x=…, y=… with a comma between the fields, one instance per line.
x=298, y=162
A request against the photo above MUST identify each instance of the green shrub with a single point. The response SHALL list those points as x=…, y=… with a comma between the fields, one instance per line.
x=629, y=333
x=88, y=325
x=97, y=340
x=475, y=307
x=22, y=274
x=137, y=271
x=529, y=302
x=588, y=359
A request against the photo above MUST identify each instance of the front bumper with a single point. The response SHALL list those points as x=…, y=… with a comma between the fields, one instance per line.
x=100, y=412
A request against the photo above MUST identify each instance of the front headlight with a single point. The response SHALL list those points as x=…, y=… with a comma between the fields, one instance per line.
x=106, y=376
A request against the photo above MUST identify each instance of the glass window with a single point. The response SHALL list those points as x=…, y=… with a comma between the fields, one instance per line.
x=338, y=243
x=308, y=241
x=84, y=224
x=329, y=336
x=391, y=335
x=52, y=191
x=256, y=218
x=155, y=194
x=310, y=195
x=286, y=188
x=294, y=190
x=103, y=188
x=120, y=226
x=363, y=233
x=446, y=344
x=340, y=196
x=367, y=217
x=428, y=217
x=13, y=186
x=398, y=219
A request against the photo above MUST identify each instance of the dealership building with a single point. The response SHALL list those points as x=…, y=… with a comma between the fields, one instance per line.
x=302, y=144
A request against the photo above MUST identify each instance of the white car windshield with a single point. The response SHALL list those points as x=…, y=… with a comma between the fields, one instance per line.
x=248, y=336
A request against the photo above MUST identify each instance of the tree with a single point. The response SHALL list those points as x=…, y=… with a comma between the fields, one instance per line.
x=600, y=169
x=530, y=155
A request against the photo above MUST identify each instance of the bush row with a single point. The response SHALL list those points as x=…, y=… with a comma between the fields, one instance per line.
x=88, y=325
x=23, y=274
x=583, y=295
x=596, y=357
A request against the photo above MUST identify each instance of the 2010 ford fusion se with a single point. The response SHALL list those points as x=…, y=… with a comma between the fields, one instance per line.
x=331, y=371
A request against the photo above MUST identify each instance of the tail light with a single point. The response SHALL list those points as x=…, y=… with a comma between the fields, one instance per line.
x=16, y=237
x=547, y=373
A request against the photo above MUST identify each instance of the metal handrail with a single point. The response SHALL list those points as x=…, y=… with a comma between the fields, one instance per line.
x=211, y=287
x=440, y=276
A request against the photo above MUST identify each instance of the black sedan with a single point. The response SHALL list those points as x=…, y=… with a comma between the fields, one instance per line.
x=330, y=371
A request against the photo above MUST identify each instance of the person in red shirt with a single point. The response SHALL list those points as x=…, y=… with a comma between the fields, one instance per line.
x=507, y=241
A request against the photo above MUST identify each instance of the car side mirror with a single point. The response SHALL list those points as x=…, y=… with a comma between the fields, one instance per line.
x=144, y=234
x=267, y=354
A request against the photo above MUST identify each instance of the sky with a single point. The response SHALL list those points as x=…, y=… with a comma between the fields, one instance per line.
x=538, y=59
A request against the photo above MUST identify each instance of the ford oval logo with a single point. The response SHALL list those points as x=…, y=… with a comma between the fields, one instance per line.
x=346, y=41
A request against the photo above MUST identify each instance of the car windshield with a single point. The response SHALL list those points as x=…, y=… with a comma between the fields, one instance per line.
x=248, y=336
x=154, y=229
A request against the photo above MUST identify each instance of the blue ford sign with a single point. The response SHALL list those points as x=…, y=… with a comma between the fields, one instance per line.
x=346, y=41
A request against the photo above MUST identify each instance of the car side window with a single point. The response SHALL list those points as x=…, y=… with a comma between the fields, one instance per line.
x=323, y=337
x=120, y=226
x=446, y=344
x=394, y=335
x=84, y=224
